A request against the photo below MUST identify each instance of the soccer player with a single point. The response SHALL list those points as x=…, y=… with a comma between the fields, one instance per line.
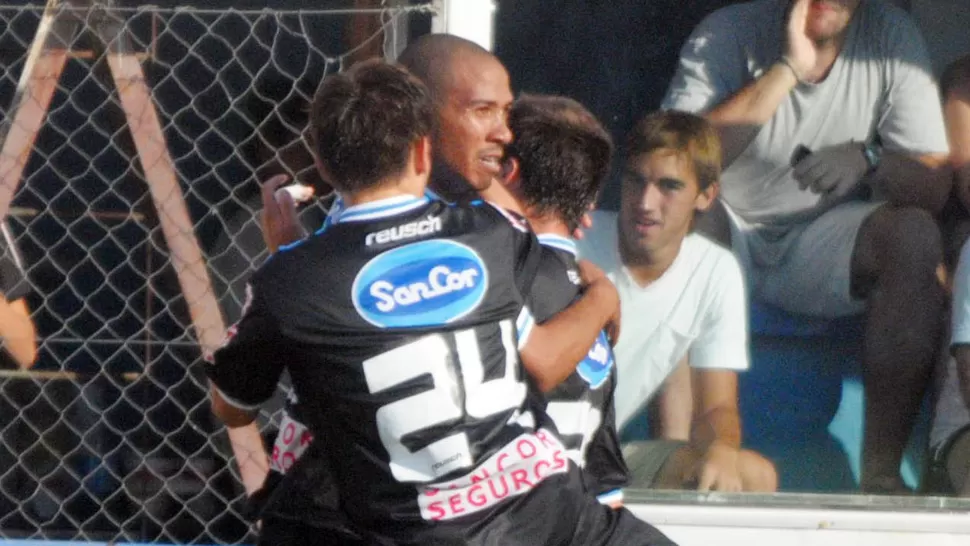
x=397, y=323
x=471, y=98
x=554, y=170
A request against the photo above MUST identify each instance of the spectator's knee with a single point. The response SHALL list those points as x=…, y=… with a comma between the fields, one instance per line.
x=912, y=244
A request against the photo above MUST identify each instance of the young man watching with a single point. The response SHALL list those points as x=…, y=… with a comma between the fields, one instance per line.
x=403, y=351
x=683, y=304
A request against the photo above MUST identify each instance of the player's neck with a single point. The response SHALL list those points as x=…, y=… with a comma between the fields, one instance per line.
x=647, y=267
x=404, y=186
x=549, y=225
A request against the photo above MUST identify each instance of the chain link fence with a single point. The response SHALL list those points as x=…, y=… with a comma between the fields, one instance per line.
x=110, y=436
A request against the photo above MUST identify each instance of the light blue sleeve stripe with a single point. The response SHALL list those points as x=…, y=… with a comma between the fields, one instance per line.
x=610, y=497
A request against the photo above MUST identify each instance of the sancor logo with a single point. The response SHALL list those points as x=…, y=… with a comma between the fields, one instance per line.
x=428, y=283
x=595, y=368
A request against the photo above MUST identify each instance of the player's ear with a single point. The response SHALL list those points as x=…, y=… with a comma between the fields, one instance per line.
x=511, y=172
x=421, y=152
x=706, y=197
x=321, y=169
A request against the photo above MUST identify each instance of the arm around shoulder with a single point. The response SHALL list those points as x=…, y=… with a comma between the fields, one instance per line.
x=554, y=349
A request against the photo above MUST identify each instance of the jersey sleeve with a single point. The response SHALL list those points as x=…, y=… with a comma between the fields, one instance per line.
x=606, y=473
x=711, y=66
x=247, y=368
x=723, y=339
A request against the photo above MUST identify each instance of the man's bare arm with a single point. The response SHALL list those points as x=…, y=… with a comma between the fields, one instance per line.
x=716, y=416
x=555, y=348
x=18, y=332
x=956, y=112
x=247, y=442
x=740, y=117
x=675, y=405
x=716, y=431
x=922, y=181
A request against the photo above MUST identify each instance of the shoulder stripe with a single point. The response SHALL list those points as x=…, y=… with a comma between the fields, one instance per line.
x=558, y=241
x=517, y=222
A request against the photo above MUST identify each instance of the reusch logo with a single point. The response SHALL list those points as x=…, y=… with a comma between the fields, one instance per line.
x=428, y=283
x=595, y=368
x=426, y=226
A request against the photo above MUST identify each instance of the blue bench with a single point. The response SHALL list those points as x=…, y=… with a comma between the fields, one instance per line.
x=802, y=401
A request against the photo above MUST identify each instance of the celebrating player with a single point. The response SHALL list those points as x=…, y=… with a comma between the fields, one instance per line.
x=554, y=170
x=397, y=324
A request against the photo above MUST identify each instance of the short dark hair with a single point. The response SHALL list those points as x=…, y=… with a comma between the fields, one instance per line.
x=364, y=121
x=686, y=134
x=430, y=56
x=564, y=154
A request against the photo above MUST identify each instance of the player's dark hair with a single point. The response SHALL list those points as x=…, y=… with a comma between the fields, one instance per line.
x=564, y=154
x=364, y=121
x=687, y=134
x=430, y=58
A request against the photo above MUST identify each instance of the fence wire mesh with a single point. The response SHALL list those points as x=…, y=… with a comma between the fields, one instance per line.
x=110, y=436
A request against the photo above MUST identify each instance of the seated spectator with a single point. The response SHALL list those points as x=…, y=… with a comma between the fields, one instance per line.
x=835, y=155
x=683, y=301
x=955, y=87
x=950, y=433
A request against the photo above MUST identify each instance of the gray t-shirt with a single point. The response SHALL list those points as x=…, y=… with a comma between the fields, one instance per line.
x=881, y=84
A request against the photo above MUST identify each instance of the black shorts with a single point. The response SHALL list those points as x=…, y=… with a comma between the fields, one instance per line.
x=558, y=512
x=278, y=531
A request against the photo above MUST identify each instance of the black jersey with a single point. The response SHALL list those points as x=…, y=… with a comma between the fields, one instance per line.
x=582, y=405
x=398, y=327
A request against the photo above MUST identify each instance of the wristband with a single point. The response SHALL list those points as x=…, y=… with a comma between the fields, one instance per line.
x=873, y=154
x=787, y=62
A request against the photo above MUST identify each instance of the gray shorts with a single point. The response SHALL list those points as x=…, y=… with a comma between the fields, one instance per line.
x=646, y=459
x=949, y=468
x=803, y=268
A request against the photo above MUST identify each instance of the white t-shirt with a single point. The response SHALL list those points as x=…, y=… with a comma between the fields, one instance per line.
x=881, y=84
x=951, y=412
x=696, y=308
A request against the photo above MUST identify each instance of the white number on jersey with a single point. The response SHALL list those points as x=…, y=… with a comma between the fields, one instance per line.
x=575, y=418
x=430, y=355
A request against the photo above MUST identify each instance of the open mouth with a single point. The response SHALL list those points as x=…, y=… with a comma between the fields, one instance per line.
x=646, y=225
x=492, y=163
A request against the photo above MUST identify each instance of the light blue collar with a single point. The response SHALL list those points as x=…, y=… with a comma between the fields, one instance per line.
x=558, y=241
